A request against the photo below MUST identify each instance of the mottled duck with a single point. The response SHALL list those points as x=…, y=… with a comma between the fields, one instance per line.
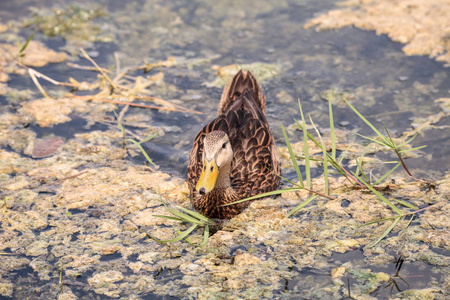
x=234, y=156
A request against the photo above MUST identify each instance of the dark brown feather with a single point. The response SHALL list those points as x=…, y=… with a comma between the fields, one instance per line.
x=255, y=162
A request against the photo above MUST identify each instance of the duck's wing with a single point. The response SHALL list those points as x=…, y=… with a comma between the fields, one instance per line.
x=256, y=161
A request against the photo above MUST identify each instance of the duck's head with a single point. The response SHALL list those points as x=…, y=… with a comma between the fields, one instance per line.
x=217, y=156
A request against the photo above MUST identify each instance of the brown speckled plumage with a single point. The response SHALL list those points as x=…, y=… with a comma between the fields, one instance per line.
x=255, y=157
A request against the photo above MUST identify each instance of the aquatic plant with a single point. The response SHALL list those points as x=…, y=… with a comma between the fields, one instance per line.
x=189, y=216
x=357, y=178
x=138, y=144
x=25, y=45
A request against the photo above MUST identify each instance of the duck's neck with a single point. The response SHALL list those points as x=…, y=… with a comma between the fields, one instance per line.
x=223, y=179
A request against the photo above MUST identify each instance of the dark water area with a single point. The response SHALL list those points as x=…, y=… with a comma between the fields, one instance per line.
x=404, y=274
x=386, y=86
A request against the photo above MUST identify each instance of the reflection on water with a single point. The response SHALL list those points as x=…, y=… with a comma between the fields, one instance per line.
x=386, y=86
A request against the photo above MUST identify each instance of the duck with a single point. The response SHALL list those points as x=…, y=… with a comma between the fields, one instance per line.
x=234, y=156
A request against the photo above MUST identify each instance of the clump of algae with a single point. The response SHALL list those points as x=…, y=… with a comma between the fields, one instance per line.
x=74, y=23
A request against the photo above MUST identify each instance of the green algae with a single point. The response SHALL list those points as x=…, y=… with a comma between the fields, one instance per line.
x=369, y=281
x=74, y=23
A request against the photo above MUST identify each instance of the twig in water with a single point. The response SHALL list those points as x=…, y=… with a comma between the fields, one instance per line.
x=112, y=83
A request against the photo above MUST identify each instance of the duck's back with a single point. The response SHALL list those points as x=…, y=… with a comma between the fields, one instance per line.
x=243, y=80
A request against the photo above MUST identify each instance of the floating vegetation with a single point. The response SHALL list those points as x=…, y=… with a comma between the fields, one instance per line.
x=74, y=23
x=421, y=25
x=261, y=71
x=186, y=216
x=133, y=141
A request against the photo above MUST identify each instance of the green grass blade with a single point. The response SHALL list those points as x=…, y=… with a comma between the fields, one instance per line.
x=307, y=133
x=21, y=54
x=365, y=176
x=119, y=123
x=334, y=163
x=406, y=204
x=388, y=173
x=408, y=141
x=359, y=168
x=338, y=167
x=205, y=237
x=291, y=154
x=169, y=217
x=382, y=143
x=359, y=163
x=185, y=217
x=310, y=159
x=277, y=192
x=367, y=122
x=344, y=153
x=378, y=194
x=386, y=232
x=152, y=136
x=176, y=239
x=142, y=150
x=300, y=206
x=409, y=222
x=196, y=215
x=305, y=148
x=412, y=149
x=391, y=141
x=291, y=182
x=186, y=238
x=378, y=221
x=332, y=133
x=325, y=156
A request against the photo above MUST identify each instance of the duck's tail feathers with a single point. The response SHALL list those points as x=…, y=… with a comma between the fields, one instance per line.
x=241, y=81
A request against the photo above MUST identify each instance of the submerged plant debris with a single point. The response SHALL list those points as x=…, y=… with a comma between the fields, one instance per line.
x=75, y=208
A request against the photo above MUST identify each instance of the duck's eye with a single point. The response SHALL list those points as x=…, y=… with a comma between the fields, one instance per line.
x=224, y=145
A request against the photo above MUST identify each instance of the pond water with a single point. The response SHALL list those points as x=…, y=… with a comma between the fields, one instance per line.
x=385, y=85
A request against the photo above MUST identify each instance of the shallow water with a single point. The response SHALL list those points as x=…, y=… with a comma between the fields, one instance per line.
x=386, y=86
x=389, y=86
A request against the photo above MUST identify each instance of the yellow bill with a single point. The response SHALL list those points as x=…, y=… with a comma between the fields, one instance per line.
x=208, y=176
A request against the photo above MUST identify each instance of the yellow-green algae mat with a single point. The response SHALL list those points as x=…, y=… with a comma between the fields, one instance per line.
x=78, y=215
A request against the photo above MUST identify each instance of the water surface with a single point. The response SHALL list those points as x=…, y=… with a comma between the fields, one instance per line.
x=386, y=86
